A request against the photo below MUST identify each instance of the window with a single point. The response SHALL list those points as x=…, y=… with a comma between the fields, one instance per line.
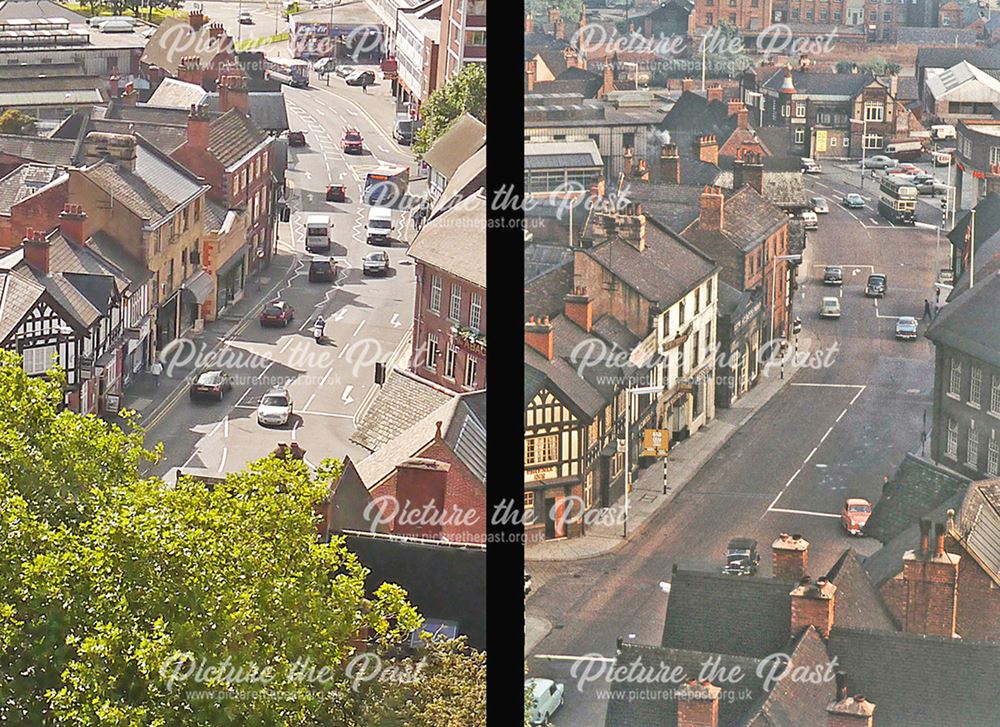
x=471, y=366
x=475, y=310
x=529, y=507
x=995, y=396
x=732, y=3
x=455, y=313
x=873, y=141
x=800, y=110
x=38, y=360
x=475, y=37
x=588, y=491
x=680, y=313
x=955, y=380
x=708, y=292
x=945, y=21
x=795, y=13
x=629, y=139
x=800, y=135
x=975, y=385
x=432, y=352
x=708, y=16
x=710, y=2
x=449, y=362
x=824, y=15
x=697, y=300
x=695, y=348
x=951, y=447
x=994, y=155
x=755, y=3
x=541, y=450
x=836, y=16
x=873, y=111
x=435, y=304
x=833, y=141
x=732, y=18
x=993, y=458
x=708, y=335
x=972, y=455
x=809, y=14
x=887, y=17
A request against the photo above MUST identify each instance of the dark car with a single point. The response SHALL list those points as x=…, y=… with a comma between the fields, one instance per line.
x=322, y=270
x=336, y=193
x=352, y=142
x=361, y=78
x=376, y=263
x=742, y=558
x=296, y=138
x=833, y=275
x=876, y=286
x=277, y=313
x=211, y=385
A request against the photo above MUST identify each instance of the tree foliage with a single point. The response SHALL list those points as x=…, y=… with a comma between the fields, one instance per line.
x=14, y=121
x=876, y=66
x=569, y=10
x=465, y=93
x=112, y=583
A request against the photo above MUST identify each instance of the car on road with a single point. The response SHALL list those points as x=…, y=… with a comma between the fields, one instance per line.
x=277, y=313
x=906, y=328
x=344, y=71
x=211, y=385
x=876, y=286
x=376, y=263
x=942, y=158
x=878, y=161
x=336, y=193
x=854, y=515
x=829, y=307
x=244, y=18
x=904, y=169
x=361, y=78
x=275, y=408
x=931, y=186
x=322, y=270
x=820, y=206
x=742, y=557
x=854, y=201
x=296, y=138
x=809, y=220
x=324, y=66
x=352, y=142
x=809, y=166
x=546, y=697
x=833, y=275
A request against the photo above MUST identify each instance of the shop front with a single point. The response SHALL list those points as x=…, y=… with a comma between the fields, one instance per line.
x=196, y=290
x=166, y=320
x=231, y=280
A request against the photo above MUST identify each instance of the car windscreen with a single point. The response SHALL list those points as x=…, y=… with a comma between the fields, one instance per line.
x=274, y=400
x=381, y=224
x=209, y=379
x=316, y=231
x=352, y=136
x=859, y=508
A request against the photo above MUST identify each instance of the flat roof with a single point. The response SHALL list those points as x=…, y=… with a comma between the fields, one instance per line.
x=318, y=220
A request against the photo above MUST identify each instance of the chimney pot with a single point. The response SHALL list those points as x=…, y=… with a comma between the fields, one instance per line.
x=938, y=540
x=925, y=529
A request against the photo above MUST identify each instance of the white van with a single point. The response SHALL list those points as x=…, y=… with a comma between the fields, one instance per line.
x=943, y=131
x=379, y=225
x=318, y=233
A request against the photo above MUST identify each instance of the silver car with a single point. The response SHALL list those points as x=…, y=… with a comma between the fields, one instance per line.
x=275, y=408
x=829, y=308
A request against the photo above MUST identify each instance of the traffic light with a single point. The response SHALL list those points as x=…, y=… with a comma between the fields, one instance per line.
x=944, y=213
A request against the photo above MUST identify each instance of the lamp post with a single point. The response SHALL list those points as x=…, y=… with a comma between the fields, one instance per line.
x=629, y=393
x=774, y=265
x=864, y=149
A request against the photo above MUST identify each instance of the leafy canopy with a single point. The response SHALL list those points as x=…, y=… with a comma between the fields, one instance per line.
x=465, y=93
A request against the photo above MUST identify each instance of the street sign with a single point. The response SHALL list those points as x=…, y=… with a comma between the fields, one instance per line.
x=655, y=442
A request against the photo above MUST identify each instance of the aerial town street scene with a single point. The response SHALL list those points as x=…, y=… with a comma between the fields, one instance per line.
x=243, y=365
x=761, y=363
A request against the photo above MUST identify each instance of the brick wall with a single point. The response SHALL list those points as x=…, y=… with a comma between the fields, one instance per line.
x=40, y=211
x=623, y=303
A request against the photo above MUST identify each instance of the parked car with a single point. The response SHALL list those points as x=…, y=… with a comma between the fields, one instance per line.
x=336, y=193
x=344, y=71
x=211, y=385
x=904, y=169
x=829, y=308
x=244, y=18
x=375, y=263
x=876, y=286
x=809, y=166
x=942, y=158
x=277, y=313
x=742, y=557
x=361, y=78
x=833, y=275
x=854, y=201
x=906, y=328
x=322, y=270
x=547, y=696
x=931, y=186
x=296, y=138
x=352, y=142
x=324, y=66
x=820, y=206
x=878, y=161
x=854, y=515
x=275, y=408
x=809, y=220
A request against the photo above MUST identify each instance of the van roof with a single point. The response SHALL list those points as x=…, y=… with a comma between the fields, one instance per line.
x=380, y=212
x=318, y=220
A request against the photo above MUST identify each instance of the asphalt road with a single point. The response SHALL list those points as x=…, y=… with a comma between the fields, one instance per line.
x=266, y=15
x=831, y=433
x=366, y=317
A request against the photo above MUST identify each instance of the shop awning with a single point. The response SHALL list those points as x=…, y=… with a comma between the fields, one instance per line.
x=199, y=286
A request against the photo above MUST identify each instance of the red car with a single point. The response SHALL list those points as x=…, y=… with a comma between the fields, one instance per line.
x=905, y=169
x=352, y=142
x=277, y=313
x=855, y=515
x=336, y=193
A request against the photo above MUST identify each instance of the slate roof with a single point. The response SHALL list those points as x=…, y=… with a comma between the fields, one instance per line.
x=402, y=402
x=675, y=206
x=796, y=236
x=665, y=272
x=465, y=434
x=984, y=58
x=857, y=603
x=67, y=295
x=469, y=178
x=937, y=36
x=445, y=582
x=175, y=38
x=540, y=259
x=815, y=83
x=537, y=40
x=18, y=294
x=615, y=332
x=147, y=113
x=455, y=241
x=970, y=323
x=915, y=489
x=464, y=137
x=887, y=561
x=27, y=180
x=162, y=136
x=693, y=112
x=784, y=189
x=232, y=136
x=978, y=523
x=38, y=149
x=176, y=93
x=747, y=220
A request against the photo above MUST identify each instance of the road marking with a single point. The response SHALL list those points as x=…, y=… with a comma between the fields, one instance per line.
x=294, y=427
x=352, y=112
x=286, y=344
x=778, y=496
x=586, y=657
x=225, y=428
x=325, y=377
x=260, y=376
x=340, y=315
x=310, y=401
x=832, y=386
x=321, y=112
x=382, y=148
x=395, y=321
x=806, y=460
x=358, y=328
x=841, y=415
x=822, y=466
x=346, y=398
x=913, y=391
x=823, y=438
x=194, y=454
x=806, y=512
x=222, y=464
x=327, y=414
x=857, y=395
x=240, y=400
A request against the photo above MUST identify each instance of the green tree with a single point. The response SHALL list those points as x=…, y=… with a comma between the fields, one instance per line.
x=112, y=584
x=465, y=93
x=725, y=51
x=569, y=10
x=14, y=121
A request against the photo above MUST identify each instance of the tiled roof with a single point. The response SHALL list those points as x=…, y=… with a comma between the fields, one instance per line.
x=18, y=293
x=66, y=295
x=455, y=241
x=915, y=489
x=816, y=83
x=465, y=434
x=232, y=136
x=26, y=180
x=857, y=604
x=540, y=259
x=464, y=137
x=887, y=561
x=986, y=240
x=675, y=206
x=562, y=154
x=938, y=36
x=970, y=323
x=37, y=149
x=402, y=402
x=147, y=113
x=748, y=219
x=215, y=215
x=135, y=271
x=984, y=58
x=796, y=236
x=665, y=272
x=469, y=178
x=614, y=331
x=979, y=524
x=784, y=189
x=267, y=109
x=179, y=94
x=693, y=112
x=175, y=38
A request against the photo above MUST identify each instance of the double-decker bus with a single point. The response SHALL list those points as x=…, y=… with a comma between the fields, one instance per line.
x=292, y=71
x=897, y=200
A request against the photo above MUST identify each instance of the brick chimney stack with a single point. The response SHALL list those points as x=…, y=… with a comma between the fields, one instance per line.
x=569, y=54
x=632, y=226
x=790, y=557
x=554, y=14
x=708, y=149
x=420, y=488
x=687, y=84
x=113, y=85
x=580, y=308
x=196, y=19
x=129, y=97
x=847, y=711
x=529, y=23
x=670, y=164
x=714, y=93
x=812, y=605
x=712, y=213
x=215, y=30
x=190, y=70
x=748, y=169
x=931, y=580
x=72, y=220
x=698, y=704
x=36, y=250
x=530, y=74
x=540, y=335
x=560, y=29
x=197, y=127
x=233, y=94
x=609, y=79
x=732, y=106
x=627, y=161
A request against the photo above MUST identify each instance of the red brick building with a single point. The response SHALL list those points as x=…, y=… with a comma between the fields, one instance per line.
x=192, y=50
x=747, y=15
x=32, y=196
x=822, y=12
x=463, y=37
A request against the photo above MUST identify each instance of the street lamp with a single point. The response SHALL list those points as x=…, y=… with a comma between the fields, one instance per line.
x=774, y=265
x=864, y=149
x=629, y=393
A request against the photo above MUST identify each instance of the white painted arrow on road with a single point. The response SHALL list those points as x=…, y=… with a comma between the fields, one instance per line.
x=340, y=314
x=395, y=321
x=346, y=398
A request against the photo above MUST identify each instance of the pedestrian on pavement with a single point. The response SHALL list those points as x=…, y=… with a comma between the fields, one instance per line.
x=364, y=86
x=156, y=369
x=927, y=308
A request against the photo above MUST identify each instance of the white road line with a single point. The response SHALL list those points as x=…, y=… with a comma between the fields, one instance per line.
x=806, y=512
x=913, y=391
x=778, y=496
x=352, y=112
x=326, y=376
x=832, y=386
x=823, y=438
x=327, y=414
x=563, y=657
x=260, y=376
x=857, y=395
x=225, y=428
x=358, y=328
x=294, y=427
x=193, y=455
x=806, y=460
x=285, y=345
x=343, y=351
x=310, y=401
x=240, y=400
x=321, y=112
x=222, y=464
x=841, y=415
